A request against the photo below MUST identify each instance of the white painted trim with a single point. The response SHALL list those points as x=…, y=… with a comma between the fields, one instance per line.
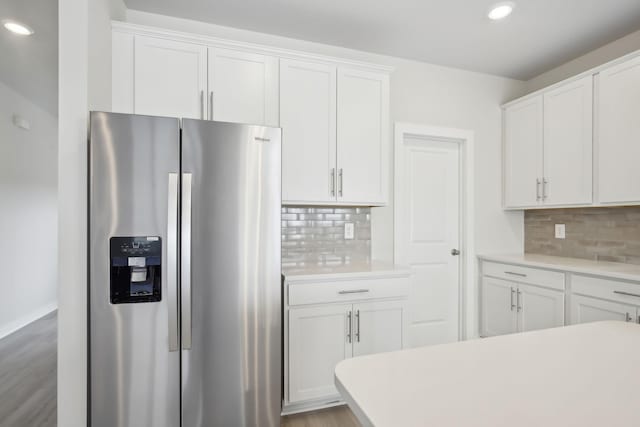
x=469, y=303
x=127, y=27
x=23, y=321
x=593, y=71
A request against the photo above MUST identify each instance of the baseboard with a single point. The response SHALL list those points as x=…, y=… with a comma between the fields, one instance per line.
x=20, y=323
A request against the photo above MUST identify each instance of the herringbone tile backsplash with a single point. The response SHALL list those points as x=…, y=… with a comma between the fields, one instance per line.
x=604, y=234
x=315, y=236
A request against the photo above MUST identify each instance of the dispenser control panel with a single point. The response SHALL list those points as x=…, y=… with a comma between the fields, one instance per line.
x=136, y=265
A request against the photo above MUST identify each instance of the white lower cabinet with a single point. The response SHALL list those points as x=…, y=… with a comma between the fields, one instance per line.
x=327, y=322
x=509, y=307
x=318, y=340
x=587, y=309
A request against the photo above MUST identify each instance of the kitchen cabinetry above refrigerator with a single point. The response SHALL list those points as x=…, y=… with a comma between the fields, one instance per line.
x=334, y=113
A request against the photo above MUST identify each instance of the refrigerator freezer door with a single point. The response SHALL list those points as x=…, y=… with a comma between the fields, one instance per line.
x=231, y=369
x=134, y=165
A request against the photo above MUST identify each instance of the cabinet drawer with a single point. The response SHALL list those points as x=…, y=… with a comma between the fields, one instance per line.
x=532, y=276
x=615, y=290
x=347, y=290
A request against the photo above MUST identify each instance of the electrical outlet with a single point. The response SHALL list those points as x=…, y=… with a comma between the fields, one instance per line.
x=349, y=231
x=560, y=231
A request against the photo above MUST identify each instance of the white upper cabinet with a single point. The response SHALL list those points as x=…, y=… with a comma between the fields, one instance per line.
x=170, y=78
x=523, y=151
x=363, y=127
x=568, y=144
x=549, y=148
x=243, y=87
x=618, y=133
x=308, y=121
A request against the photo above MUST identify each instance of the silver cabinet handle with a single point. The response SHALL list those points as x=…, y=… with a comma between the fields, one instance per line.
x=538, y=189
x=332, y=182
x=357, y=325
x=211, y=105
x=340, y=181
x=629, y=294
x=519, y=304
x=185, y=278
x=349, y=327
x=513, y=291
x=512, y=273
x=544, y=189
x=356, y=291
x=202, y=105
x=172, y=261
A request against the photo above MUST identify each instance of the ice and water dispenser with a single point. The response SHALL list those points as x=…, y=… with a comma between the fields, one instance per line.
x=135, y=269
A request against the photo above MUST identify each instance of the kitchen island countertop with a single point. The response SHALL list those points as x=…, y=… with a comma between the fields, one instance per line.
x=584, y=375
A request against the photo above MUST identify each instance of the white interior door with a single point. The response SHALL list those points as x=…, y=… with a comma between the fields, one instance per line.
x=170, y=78
x=378, y=327
x=243, y=87
x=319, y=338
x=308, y=121
x=428, y=228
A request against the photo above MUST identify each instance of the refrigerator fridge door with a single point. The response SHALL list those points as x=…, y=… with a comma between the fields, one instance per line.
x=133, y=218
x=231, y=297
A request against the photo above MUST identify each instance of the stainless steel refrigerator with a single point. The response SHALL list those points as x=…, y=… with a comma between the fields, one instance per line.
x=184, y=273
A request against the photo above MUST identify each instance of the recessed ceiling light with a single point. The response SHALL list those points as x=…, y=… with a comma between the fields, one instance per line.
x=501, y=10
x=17, y=27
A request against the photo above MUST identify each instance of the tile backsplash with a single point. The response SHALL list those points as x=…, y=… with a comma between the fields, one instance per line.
x=604, y=234
x=313, y=235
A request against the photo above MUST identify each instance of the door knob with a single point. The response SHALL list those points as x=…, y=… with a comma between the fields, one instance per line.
x=455, y=252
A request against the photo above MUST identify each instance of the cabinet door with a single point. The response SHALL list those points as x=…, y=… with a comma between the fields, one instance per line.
x=170, y=78
x=378, y=327
x=539, y=308
x=243, y=87
x=363, y=134
x=568, y=144
x=498, y=307
x=308, y=121
x=618, y=138
x=319, y=338
x=586, y=309
x=523, y=136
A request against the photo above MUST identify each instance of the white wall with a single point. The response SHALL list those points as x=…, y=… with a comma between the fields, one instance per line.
x=28, y=212
x=424, y=94
x=606, y=53
x=85, y=82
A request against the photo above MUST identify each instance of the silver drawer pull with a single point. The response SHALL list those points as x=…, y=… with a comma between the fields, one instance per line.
x=357, y=291
x=627, y=294
x=515, y=274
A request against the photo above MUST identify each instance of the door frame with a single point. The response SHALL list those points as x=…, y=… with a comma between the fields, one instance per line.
x=468, y=305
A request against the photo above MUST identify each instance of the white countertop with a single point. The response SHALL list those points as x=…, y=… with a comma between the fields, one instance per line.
x=599, y=268
x=584, y=375
x=372, y=269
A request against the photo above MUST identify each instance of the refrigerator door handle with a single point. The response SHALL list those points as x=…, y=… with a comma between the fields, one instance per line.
x=172, y=261
x=185, y=279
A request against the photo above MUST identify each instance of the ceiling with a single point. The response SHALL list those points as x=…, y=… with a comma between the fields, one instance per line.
x=29, y=65
x=538, y=36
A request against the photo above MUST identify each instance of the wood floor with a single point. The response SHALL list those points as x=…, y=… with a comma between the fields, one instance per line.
x=339, y=416
x=28, y=383
x=28, y=375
